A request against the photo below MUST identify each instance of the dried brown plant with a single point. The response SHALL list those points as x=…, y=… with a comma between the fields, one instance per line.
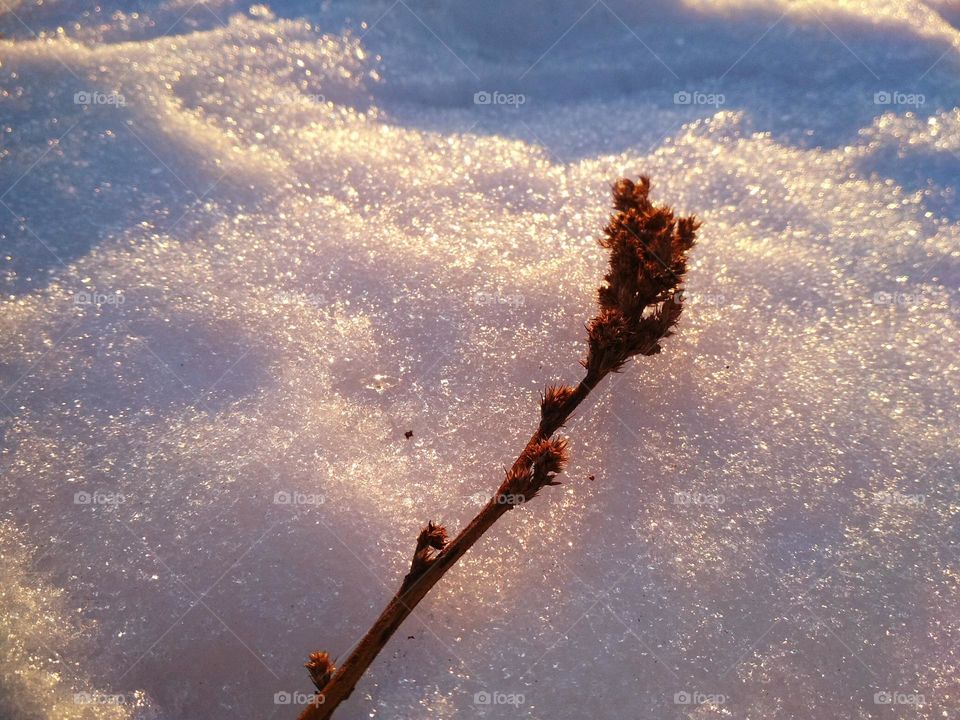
x=639, y=303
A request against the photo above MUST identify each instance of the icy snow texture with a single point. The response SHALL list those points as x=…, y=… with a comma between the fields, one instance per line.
x=303, y=239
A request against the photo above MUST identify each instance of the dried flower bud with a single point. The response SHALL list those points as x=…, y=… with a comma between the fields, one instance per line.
x=639, y=300
x=552, y=410
x=517, y=483
x=432, y=535
x=321, y=669
x=627, y=194
x=431, y=540
x=549, y=457
x=535, y=469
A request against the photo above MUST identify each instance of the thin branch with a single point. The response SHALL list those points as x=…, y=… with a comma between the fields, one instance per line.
x=639, y=304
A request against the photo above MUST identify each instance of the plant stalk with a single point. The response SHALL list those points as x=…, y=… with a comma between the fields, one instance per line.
x=345, y=678
x=639, y=303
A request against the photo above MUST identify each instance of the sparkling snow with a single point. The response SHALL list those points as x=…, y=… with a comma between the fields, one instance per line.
x=245, y=249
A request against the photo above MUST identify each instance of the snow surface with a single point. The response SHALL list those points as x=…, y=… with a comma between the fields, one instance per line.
x=278, y=238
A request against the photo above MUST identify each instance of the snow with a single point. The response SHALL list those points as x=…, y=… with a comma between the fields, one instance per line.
x=269, y=241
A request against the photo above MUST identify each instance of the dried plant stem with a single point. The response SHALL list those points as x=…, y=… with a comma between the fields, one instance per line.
x=639, y=303
x=349, y=673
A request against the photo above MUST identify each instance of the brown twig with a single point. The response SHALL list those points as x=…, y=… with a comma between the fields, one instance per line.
x=639, y=303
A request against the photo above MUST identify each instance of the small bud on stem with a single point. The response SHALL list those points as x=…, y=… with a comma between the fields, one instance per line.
x=320, y=668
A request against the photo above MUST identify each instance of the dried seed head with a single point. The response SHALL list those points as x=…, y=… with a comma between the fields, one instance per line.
x=639, y=300
x=534, y=469
x=321, y=669
x=517, y=483
x=627, y=194
x=431, y=540
x=549, y=457
x=433, y=535
x=552, y=407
